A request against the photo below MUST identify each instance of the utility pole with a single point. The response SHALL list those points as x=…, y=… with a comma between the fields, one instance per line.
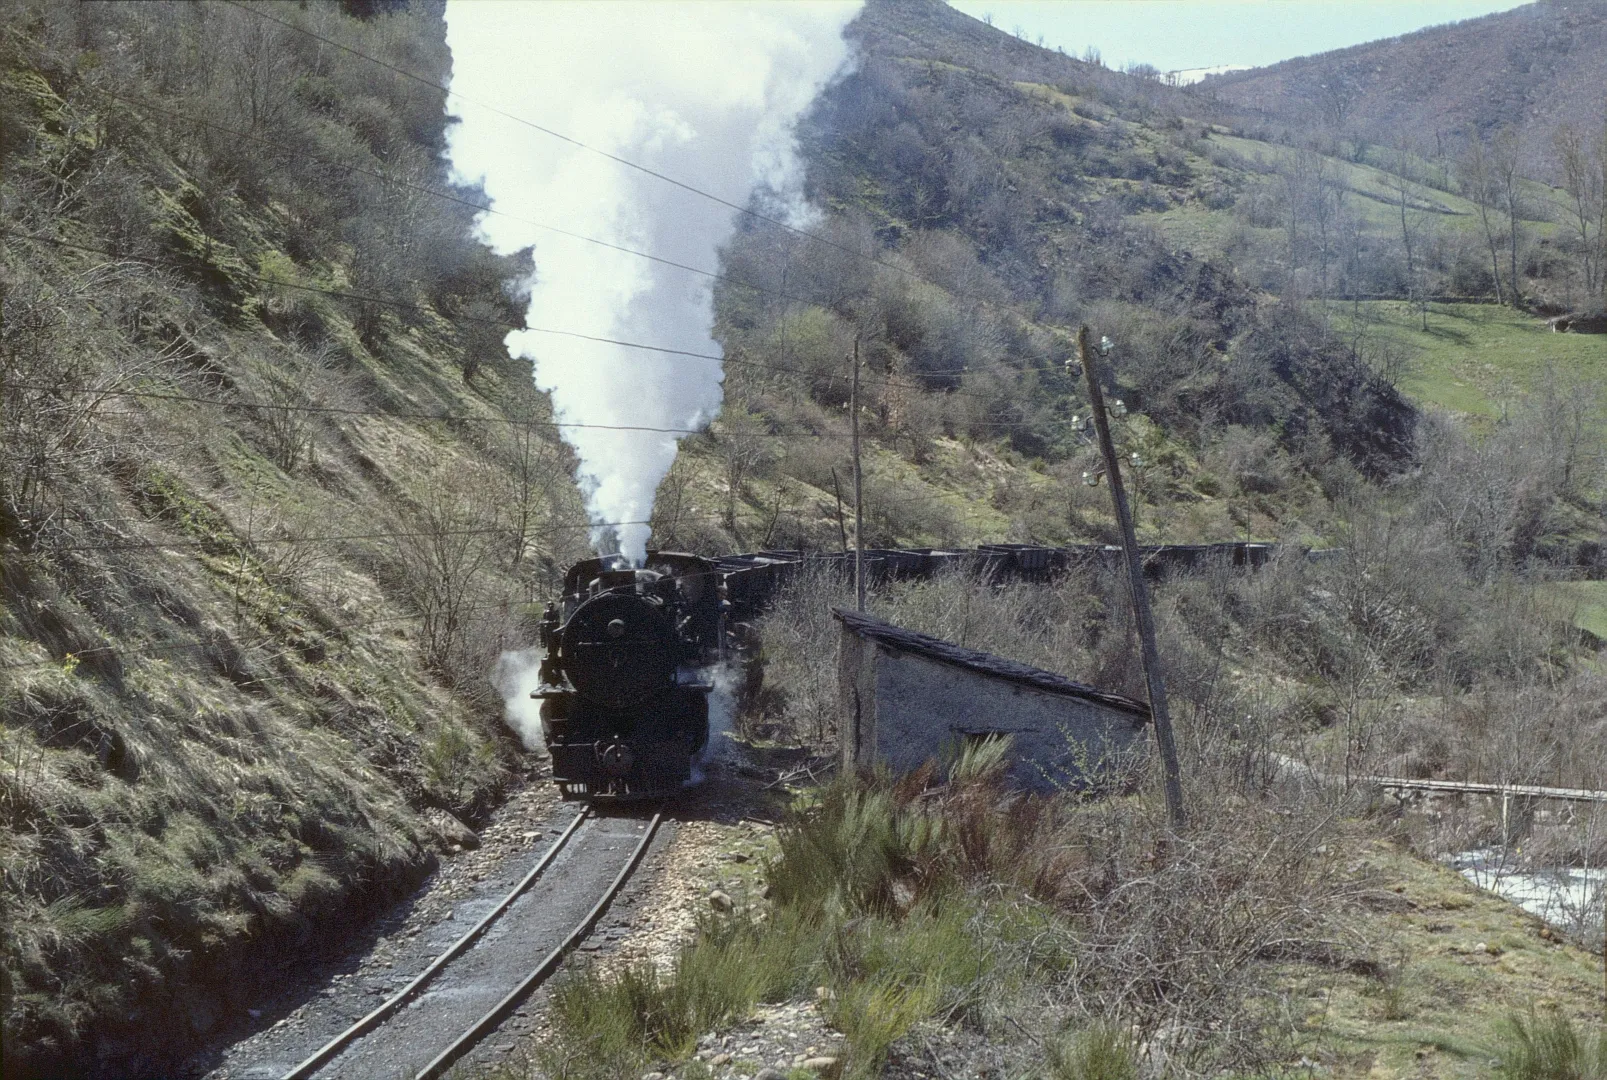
x=859, y=501
x=836, y=488
x=1137, y=590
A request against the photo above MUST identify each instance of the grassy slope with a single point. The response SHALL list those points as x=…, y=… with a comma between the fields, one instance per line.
x=220, y=748
x=1475, y=358
x=1462, y=962
x=1589, y=602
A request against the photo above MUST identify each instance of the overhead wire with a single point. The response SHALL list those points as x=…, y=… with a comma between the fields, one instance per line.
x=444, y=417
x=414, y=306
x=488, y=208
x=447, y=196
x=747, y=211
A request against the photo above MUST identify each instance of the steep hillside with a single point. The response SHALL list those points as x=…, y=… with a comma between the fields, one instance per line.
x=270, y=495
x=974, y=216
x=1539, y=65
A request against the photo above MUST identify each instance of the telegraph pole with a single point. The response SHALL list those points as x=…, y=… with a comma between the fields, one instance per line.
x=859, y=502
x=1137, y=590
x=842, y=530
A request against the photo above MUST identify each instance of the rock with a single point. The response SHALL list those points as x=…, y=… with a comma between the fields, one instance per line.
x=768, y=1073
x=720, y=900
x=824, y=1065
x=722, y=1058
x=653, y=1076
x=451, y=832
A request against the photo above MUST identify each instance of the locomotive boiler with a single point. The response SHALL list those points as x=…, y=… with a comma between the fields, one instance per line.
x=623, y=689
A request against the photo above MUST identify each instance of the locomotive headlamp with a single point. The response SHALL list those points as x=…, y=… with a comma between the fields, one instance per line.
x=616, y=628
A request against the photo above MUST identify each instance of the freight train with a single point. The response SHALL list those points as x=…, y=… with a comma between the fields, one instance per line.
x=628, y=651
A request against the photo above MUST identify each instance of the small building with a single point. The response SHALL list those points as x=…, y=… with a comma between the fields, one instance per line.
x=904, y=698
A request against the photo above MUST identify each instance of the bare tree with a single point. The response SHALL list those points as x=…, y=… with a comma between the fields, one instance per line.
x=1401, y=186
x=1583, y=184
x=738, y=432
x=58, y=383
x=445, y=545
x=1476, y=170
x=1506, y=154
x=1584, y=178
x=537, y=469
x=256, y=69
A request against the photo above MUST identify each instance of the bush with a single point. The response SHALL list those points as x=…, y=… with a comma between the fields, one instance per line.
x=1533, y=1048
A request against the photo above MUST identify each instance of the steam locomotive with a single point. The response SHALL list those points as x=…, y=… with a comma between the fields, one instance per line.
x=624, y=684
x=623, y=688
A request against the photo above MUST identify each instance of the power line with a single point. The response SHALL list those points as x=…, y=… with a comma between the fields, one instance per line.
x=443, y=417
x=683, y=185
x=447, y=196
x=223, y=637
x=339, y=410
x=181, y=545
x=693, y=189
x=498, y=323
x=459, y=200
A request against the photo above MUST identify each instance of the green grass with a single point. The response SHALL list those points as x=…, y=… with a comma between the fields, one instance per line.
x=1452, y=1015
x=1476, y=358
x=1591, y=600
x=1550, y=1048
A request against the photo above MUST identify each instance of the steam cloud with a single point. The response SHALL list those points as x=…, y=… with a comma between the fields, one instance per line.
x=706, y=93
x=515, y=675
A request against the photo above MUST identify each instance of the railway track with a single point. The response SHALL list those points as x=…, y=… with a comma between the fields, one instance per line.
x=468, y=990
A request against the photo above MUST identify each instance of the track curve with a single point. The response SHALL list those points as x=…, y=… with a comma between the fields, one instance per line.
x=470, y=988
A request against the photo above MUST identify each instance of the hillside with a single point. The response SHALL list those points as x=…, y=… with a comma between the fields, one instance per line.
x=262, y=538
x=1540, y=65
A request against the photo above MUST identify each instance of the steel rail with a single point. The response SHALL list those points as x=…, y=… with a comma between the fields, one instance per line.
x=499, y=1012
x=326, y=1053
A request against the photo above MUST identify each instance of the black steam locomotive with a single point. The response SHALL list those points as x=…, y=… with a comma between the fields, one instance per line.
x=624, y=687
x=624, y=697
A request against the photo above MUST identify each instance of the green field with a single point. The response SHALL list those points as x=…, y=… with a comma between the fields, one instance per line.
x=1475, y=358
x=1591, y=598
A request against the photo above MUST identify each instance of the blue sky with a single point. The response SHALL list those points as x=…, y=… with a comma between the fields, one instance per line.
x=1175, y=34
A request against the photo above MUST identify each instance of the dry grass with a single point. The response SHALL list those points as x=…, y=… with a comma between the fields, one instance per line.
x=918, y=902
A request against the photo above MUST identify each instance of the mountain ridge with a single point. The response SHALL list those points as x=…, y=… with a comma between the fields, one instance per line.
x=1539, y=65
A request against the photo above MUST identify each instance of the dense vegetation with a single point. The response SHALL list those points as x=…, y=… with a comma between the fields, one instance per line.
x=251, y=589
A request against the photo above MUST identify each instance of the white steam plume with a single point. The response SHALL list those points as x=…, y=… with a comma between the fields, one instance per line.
x=706, y=93
x=515, y=675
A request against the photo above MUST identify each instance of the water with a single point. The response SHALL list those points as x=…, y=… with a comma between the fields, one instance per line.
x=1567, y=898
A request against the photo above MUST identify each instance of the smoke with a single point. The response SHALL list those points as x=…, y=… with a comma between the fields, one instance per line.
x=516, y=674
x=722, y=716
x=706, y=93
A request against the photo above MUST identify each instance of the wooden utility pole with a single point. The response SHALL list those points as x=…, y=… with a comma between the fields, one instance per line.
x=859, y=502
x=836, y=488
x=1137, y=590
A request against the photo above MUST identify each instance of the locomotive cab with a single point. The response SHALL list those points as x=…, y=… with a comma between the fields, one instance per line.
x=624, y=705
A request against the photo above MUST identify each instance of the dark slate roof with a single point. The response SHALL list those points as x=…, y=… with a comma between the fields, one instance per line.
x=896, y=637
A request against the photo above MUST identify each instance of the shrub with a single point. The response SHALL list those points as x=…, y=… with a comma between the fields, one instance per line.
x=1534, y=1048
x=1101, y=1052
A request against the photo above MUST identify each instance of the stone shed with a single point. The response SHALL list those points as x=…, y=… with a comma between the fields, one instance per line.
x=905, y=697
